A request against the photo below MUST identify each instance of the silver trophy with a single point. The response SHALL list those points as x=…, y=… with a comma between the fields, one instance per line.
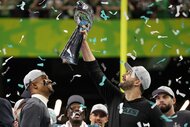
x=83, y=16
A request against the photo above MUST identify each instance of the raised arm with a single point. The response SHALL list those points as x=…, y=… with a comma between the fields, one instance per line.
x=86, y=51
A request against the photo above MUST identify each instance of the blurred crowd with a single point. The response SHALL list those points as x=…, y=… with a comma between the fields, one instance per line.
x=65, y=8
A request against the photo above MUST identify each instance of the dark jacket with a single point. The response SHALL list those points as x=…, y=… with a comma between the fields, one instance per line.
x=135, y=111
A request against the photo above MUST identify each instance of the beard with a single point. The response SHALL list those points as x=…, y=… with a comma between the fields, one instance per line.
x=126, y=85
x=166, y=108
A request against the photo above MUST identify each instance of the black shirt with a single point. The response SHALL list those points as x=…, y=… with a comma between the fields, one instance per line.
x=136, y=111
x=179, y=119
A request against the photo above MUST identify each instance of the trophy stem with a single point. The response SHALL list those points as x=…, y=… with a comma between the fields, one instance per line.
x=70, y=53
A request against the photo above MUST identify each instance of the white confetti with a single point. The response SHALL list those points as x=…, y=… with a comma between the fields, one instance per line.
x=137, y=30
x=7, y=60
x=104, y=67
x=177, y=79
x=169, y=82
x=126, y=16
x=177, y=51
x=142, y=41
x=22, y=5
x=139, y=124
x=66, y=31
x=21, y=39
x=179, y=93
x=57, y=18
x=154, y=105
x=54, y=9
x=103, y=39
x=131, y=55
x=162, y=36
x=178, y=10
x=175, y=32
x=154, y=32
x=18, y=93
x=120, y=108
x=4, y=51
x=77, y=75
x=157, y=20
x=170, y=6
x=184, y=14
x=8, y=95
x=180, y=58
x=106, y=3
x=154, y=46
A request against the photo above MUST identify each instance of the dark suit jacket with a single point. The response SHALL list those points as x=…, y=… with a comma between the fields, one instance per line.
x=6, y=113
x=35, y=114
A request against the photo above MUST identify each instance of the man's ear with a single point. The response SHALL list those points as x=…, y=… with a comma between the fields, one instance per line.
x=174, y=101
x=137, y=82
x=34, y=86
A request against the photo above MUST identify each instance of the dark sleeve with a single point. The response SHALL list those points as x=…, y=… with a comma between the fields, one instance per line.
x=31, y=115
x=106, y=89
x=157, y=119
x=6, y=114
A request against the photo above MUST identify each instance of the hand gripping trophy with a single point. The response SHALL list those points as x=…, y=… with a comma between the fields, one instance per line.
x=83, y=16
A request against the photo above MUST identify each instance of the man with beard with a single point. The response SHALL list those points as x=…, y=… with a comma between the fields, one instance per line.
x=75, y=111
x=35, y=112
x=98, y=115
x=165, y=99
x=128, y=108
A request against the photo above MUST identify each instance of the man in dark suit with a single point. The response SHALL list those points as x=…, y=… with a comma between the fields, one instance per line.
x=35, y=112
x=6, y=114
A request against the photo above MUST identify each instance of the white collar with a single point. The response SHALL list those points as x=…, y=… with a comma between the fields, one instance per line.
x=42, y=98
x=68, y=124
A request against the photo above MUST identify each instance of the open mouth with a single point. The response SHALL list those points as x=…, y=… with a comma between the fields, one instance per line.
x=76, y=115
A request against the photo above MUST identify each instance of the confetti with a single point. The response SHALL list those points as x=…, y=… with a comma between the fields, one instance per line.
x=8, y=95
x=103, y=80
x=126, y=16
x=113, y=13
x=161, y=61
x=7, y=60
x=181, y=94
x=167, y=46
x=177, y=51
x=77, y=75
x=106, y=3
x=3, y=73
x=21, y=39
x=177, y=79
x=142, y=41
x=54, y=9
x=41, y=58
x=120, y=108
x=154, y=46
x=18, y=93
x=103, y=15
x=44, y=6
x=145, y=18
x=41, y=2
x=103, y=66
x=137, y=30
x=146, y=124
x=4, y=51
x=139, y=124
x=22, y=5
x=57, y=18
x=180, y=58
x=153, y=106
x=10, y=46
x=150, y=5
x=178, y=10
x=131, y=55
x=175, y=32
x=104, y=52
x=154, y=32
x=21, y=86
x=185, y=125
x=170, y=6
x=8, y=80
x=66, y=31
x=162, y=36
x=40, y=64
x=103, y=39
x=169, y=82
x=82, y=107
x=157, y=20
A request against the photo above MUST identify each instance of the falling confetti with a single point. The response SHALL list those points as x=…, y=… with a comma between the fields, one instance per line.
x=167, y=46
x=21, y=86
x=103, y=66
x=103, y=39
x=126, y=16
x=18, y=93
x=154, y=32
x=137, y=30
x=104, y=52
x=179, y=93
x=41, y=2
x=177, y=79
x=44, y=6
x=57, y=18
x=8, y=80
x=161, y=61
x=66, y=31
x=8, y=95
x=22, y=5
x=3, y=73
x=103, y=80
x=162, y=36
x=41, y=58
x=40, y=64
x=106, y=3
x=7, y=60
x=142, y=41
x=21, y=39
x=154, y=46
x=112, y=13
x=175, y=32
x=54, y=9
x=131, y=55
x=77, y=75
x=178, y=10
x=177, y=51
x=180, y=58
x=139, y=124
x=103, y=15
x=10, y=46
x=169, y=82
x=4, y=51
x=121, y=108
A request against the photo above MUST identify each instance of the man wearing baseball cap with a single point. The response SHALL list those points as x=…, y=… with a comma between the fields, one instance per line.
x=99, y=115
x=165, y=99
x=129, y=108
x=75, y=111
x=35, y=112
